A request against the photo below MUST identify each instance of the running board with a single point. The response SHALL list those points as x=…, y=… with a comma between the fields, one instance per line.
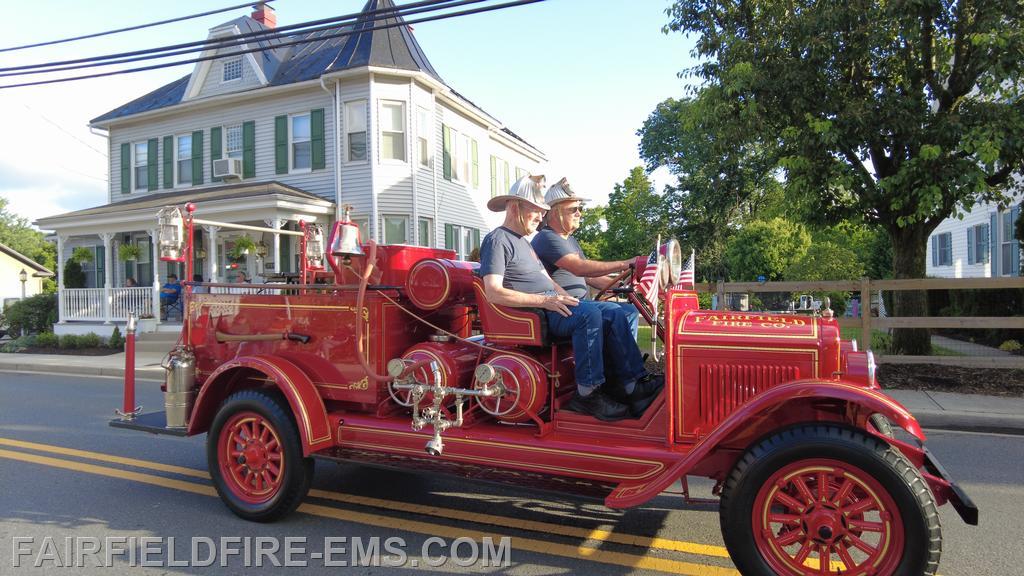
x=154, y=423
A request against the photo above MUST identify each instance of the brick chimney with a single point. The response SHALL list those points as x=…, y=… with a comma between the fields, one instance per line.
x=264, y=15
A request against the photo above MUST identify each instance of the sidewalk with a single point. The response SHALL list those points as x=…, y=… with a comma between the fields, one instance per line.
x=942, y=410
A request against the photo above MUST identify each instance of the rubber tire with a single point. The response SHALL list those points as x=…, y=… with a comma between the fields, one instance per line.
x=298, y=470
x=882, y=425
x=922, y=532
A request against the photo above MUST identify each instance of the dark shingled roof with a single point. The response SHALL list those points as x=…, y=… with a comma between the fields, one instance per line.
x=385, y=48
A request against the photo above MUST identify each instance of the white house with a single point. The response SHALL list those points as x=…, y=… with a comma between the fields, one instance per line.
x=350, y=115
x=20, y=276
x=981, y=245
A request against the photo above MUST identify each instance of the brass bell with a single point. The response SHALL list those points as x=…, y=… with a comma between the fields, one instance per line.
x=345, y=239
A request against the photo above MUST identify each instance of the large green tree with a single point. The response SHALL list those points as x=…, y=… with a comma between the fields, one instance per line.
x=766, y=248
x=893, y=113
x=635, y=215
x=16, y=232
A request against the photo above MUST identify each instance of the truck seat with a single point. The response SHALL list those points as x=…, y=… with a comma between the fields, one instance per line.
x=507, y=325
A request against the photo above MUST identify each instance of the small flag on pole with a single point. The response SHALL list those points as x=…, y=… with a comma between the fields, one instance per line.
x=686, y=274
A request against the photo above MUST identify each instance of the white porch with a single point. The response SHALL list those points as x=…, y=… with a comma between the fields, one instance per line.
x=106, y=301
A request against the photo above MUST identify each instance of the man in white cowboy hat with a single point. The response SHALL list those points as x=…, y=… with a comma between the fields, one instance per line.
x=514, y=276
x=563, y=256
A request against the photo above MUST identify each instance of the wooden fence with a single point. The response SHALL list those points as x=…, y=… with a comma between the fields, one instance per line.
x=866, y=322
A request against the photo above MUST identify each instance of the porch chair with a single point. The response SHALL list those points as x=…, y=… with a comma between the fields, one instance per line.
x=167, y=307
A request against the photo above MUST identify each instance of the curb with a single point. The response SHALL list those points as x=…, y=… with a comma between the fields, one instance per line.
x=971, y=422
x=142, y=373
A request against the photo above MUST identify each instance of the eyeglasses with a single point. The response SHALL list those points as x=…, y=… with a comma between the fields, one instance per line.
x=577, y=209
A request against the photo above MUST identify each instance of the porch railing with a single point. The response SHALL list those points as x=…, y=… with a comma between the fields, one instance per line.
x=106, y=304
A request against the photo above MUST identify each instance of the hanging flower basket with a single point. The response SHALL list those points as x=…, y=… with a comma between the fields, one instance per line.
x=242, y=246
x=128, y=252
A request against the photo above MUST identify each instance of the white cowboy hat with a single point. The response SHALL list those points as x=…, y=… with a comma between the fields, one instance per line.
x=560, y=192
x=529, y=188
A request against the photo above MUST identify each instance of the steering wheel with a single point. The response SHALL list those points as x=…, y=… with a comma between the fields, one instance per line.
x=604, y=292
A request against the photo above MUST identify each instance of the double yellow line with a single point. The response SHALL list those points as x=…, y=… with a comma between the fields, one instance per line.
x=575, y=552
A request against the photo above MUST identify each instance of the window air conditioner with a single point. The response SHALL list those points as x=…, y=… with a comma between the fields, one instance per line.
x=227, y=168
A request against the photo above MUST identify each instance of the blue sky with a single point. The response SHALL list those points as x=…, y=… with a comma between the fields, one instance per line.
x=576, y=78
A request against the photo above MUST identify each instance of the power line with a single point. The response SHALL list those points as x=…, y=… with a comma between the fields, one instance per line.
x=235, y=40
x=281, y=45
x=64, y=130
x=130, y=28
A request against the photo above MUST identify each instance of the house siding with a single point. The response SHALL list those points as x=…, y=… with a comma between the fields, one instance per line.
x=262, y=112
x=981, y=213
x=356, y=176
x=213, y=85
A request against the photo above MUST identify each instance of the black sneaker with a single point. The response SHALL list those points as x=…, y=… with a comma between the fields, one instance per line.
x=598, y=405
x=646, y=390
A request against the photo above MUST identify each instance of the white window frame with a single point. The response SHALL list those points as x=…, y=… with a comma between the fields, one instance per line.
x=429, y=222
x=292, y=141
x=1004, y=221
x=465, y=160
x=140, y=184
x=177, y=166
x=948, y=237
x=224, y=70
x=384, y=218
x=424, y=132
x=348, y=133
x=975, y=232
x=227, y=141
x=401, y=105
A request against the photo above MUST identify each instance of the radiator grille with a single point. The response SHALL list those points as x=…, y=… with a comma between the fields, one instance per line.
x=725, y=387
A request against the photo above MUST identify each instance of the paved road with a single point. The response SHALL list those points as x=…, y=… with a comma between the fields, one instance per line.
x=65, y=473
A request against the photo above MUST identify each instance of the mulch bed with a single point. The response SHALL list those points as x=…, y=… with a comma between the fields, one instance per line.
x=73, y=352
x=941, y=378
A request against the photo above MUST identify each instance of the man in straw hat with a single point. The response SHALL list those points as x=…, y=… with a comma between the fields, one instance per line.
x=514, y=276
x=564, y=259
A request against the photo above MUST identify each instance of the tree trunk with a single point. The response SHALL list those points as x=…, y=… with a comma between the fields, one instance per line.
x=909, y=250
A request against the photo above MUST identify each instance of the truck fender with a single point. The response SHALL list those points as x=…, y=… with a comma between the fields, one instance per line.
x=306, y=404
x=626, y=495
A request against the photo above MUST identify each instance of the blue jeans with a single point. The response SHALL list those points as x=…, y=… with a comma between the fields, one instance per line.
x=594, y=338
x=610, y=309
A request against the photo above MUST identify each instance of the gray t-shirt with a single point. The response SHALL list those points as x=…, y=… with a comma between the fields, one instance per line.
x=509, y=254
x=551, y=247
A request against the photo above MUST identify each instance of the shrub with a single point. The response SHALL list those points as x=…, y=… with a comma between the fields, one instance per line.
x=19, y=344
x=90, y=340
x=70, y=341
x=1010, y=346
x=47, y=340
x=74, y=276
x=32, y=315
x=116, y=339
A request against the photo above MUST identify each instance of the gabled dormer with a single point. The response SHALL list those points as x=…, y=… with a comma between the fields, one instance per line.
x=239, y=72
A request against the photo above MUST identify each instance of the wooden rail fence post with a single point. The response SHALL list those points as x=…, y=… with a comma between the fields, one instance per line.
x=865, y=312
x=721, y=294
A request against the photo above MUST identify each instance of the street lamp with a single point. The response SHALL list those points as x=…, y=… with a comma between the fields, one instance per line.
x=23, y=276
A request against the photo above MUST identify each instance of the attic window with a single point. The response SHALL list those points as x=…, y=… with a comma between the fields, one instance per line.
x=232, y=69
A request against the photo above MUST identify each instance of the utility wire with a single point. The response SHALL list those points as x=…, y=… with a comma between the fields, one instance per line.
x=130, y=28
x=233, y=41
x=281, y=45
x=64, y=130
x=269, y=34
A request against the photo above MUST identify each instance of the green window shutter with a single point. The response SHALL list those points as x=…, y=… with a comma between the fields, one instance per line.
x=168, y=161
x=197, y=157
x=216, y=150
x=281, y=145
x=476, y=167
x=249, y=149
x=476, y=238
x=152, y=159
x=316, y=137
x=446, y=147
x=449, y=237
x=126, y=168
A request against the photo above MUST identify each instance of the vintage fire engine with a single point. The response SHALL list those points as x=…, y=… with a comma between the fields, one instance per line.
x=392, y=355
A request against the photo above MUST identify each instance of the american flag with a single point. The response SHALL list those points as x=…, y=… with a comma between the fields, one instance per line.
x=686, y=275
x=648, y=283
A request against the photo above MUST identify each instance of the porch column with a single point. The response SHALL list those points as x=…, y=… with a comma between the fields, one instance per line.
x=154, y=239
x=108, y=270
x=276, y=224
x=211, y=252
x=60, y=278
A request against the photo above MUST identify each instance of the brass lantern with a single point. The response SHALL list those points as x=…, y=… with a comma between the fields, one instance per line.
x=345, y=239
x=171, y=234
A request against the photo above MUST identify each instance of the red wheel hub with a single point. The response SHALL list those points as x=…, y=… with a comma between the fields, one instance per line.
x=822, y=516
x=251, y=457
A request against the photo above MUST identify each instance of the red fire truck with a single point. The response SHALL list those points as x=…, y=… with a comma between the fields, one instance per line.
x=392, y=355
